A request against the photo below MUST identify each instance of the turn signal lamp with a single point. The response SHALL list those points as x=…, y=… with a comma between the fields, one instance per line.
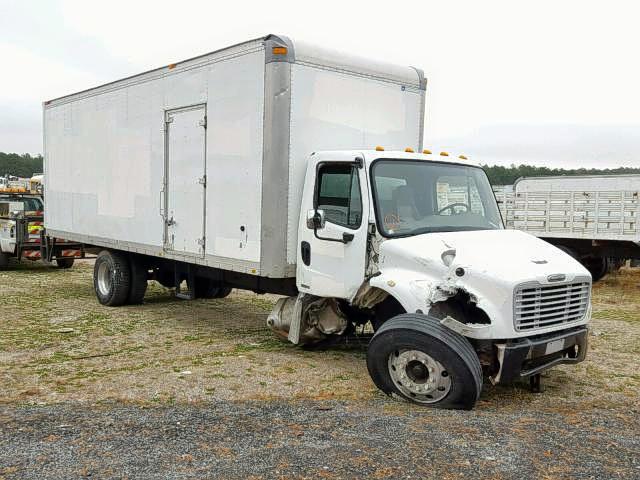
x=379, y=149
x=444, y=154
x=426, y=152
x=408, y=150
x=279, y=50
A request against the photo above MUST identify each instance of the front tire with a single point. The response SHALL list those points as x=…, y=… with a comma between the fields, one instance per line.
x=418, y=359
x=112, y=278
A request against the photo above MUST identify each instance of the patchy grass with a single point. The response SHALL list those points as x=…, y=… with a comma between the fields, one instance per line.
x=57, y=343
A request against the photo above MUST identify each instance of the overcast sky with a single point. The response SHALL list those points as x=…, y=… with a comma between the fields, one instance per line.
x=546, y=82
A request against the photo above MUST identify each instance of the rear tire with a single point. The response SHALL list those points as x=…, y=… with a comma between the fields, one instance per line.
x=597, y=266
x=418, y=359
x=207, y=288
x=4, y=260
x=64, y=263
x=112, y=278
x=138, y=280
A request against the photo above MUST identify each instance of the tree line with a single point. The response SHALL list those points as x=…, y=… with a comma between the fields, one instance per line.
x=20, y=165
x=499, y=175
x=26, y=165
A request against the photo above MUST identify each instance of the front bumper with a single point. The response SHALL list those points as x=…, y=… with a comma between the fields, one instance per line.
x=524, y=357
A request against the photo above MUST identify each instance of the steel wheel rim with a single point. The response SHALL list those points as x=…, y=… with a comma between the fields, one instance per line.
x=419, y=376
x=104, y=278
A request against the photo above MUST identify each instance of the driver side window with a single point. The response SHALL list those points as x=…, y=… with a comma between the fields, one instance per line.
x=338, y=194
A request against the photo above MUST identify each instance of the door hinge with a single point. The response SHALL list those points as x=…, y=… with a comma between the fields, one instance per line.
x=203, y=122
x=169, y=120
x=203, y=180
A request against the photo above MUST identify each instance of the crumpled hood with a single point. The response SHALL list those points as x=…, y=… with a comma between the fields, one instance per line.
x=508, y=256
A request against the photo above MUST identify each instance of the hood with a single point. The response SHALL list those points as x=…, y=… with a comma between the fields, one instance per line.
x=508, y=256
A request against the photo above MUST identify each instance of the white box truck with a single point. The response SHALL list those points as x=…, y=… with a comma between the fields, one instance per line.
x=280, y=167
x=594, y=218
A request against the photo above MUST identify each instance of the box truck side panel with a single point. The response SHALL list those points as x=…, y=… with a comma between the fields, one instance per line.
x=235, y=111
x=107, y=158
x=333, y=110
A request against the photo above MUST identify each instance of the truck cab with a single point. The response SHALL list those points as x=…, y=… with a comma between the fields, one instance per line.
x=416, y=244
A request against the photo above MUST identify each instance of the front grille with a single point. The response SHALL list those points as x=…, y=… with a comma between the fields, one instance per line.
x=539, y=306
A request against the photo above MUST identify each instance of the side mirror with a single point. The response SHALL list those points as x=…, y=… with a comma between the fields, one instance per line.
x=315, y=219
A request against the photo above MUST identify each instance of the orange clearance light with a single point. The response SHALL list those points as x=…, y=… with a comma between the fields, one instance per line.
x=462, y=157
x=379, y=149
x=408, y=150
x=279, y=50
x=444, y=154
x=172, y=66
x=426, y=152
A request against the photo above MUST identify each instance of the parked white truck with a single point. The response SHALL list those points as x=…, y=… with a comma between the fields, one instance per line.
x=255, y=167
x=594, y=218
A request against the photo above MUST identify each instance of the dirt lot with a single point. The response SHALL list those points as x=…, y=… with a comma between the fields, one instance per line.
x=202, y=388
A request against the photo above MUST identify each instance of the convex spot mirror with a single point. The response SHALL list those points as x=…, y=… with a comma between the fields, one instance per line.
x=315, y=219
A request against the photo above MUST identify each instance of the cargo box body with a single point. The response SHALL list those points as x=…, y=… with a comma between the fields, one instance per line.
x=203, y=161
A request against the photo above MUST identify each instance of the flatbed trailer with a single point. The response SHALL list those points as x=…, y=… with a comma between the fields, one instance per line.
x=595, y=218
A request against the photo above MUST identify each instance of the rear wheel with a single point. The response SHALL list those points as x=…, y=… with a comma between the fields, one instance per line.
x=418, y=359
x=4, y=260
x=64, y=262
x=208, y=288
x=597, y=266
x=112, y=278
x=138, y=280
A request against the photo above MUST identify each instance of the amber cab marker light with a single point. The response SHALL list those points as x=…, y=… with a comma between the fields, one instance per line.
x=379, y=149
x=279, y=50
x=408, y=150
x=426, y=152
x=444, y=154
x=172, y=66
x=462, y=157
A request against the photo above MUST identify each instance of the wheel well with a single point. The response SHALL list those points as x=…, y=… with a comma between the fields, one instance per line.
x=388, y=308
x=462, y=307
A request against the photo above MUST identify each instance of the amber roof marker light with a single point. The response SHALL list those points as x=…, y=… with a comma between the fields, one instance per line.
x=409, y=150
x=426, y=151
x=379, y=149
x=279, y=50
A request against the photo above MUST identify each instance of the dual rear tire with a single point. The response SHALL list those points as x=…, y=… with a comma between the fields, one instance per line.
x=121, y=279
x=416, y=358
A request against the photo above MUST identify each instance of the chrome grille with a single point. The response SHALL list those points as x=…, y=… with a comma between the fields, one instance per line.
x=539, y=306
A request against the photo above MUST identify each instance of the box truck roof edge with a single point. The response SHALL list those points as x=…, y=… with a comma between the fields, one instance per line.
x=283, y=49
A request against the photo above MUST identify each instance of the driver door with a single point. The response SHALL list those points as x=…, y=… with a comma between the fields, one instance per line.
x=331, y=255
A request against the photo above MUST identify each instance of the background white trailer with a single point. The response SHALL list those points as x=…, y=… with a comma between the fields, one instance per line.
x=203, y=161
x=595, y=217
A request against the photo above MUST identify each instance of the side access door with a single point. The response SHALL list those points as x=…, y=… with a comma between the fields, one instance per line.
x=185, y=180
x=332, y=233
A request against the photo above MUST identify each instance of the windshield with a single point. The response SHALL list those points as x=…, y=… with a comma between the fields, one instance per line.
x=31, y=204
x=413, y=197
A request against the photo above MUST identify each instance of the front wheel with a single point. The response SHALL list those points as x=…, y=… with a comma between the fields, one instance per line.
x=418, y=359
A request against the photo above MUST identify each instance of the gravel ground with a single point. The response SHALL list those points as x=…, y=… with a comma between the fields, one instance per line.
x=174, y=389
x=312, y=440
